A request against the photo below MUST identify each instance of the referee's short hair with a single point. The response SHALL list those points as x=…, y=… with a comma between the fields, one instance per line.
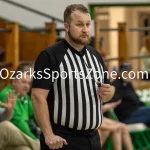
x=70, y=8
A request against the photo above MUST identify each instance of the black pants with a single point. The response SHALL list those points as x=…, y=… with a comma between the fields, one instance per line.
x=77, y=140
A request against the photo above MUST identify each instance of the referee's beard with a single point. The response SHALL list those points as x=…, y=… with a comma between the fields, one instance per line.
x=79, y=40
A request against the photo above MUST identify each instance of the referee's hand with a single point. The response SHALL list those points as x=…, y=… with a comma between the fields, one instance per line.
x=106, y=91
x=54, y=141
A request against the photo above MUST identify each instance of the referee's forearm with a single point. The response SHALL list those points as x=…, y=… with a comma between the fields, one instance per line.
x=42, y=115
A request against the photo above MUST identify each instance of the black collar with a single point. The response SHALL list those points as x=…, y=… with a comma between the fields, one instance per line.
x=80, y=53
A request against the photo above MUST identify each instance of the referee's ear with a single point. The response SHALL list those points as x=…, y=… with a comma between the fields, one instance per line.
x=66, y=25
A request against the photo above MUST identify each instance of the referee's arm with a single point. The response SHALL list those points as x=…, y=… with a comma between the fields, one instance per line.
x=41, y=113
x=40, y=107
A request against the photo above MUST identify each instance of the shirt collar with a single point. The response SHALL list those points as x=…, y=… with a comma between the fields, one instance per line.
x=80, y=53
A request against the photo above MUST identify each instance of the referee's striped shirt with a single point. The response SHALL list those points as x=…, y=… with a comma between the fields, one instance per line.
x=71, y=76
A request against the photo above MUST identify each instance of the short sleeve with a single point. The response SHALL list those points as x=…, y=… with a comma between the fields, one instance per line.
x=43, y=69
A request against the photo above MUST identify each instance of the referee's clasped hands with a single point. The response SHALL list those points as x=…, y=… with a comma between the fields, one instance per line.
x=55, y=142
x=106, y=91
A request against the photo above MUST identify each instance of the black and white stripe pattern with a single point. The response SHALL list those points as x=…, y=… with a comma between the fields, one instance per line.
x=76, y=103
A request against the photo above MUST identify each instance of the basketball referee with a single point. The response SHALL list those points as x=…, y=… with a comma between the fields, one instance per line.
x=66, y=96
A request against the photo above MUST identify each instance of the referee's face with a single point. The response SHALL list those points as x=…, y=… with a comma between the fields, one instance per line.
x=79, y=29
